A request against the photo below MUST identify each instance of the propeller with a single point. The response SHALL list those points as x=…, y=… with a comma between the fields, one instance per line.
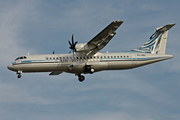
x=72, y=45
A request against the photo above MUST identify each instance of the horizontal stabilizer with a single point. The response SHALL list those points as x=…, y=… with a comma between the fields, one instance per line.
x=165, y=28
x=55, y=73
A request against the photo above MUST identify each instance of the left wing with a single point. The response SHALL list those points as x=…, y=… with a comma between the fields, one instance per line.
x=55, y=72
x=102, y=39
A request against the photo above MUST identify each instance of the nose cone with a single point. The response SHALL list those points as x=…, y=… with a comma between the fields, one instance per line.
x=10, y=67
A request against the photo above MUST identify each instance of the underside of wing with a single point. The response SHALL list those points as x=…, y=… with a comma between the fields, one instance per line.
x=102, y=39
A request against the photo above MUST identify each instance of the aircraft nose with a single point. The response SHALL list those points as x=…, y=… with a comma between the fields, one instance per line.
x=10, y=67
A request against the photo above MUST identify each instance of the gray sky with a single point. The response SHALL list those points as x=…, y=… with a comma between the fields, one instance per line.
x=41, y=26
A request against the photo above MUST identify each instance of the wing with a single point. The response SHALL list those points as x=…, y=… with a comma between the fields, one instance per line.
x=102, y=39
x=55, y=72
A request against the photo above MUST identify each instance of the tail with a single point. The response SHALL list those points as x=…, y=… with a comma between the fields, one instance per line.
x=157, y=42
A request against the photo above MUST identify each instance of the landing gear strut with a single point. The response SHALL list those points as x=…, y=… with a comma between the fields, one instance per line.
x=81, y=78
x=19, y=74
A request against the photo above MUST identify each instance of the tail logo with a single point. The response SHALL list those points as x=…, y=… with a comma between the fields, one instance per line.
x=157, y=42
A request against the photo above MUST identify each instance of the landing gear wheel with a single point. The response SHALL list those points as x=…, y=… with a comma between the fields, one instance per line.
x=19, y=76
x=81, y=78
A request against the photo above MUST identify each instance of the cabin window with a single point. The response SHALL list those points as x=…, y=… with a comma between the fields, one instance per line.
x=46, y=58
x=77, y=57
x=107, y=56
x=104, y=56
x=66, y=57
x=70, y=57
x=25, y=57
x=111, y=56
x=87, y=57
x=63, y=57
x=84, y=57
x=74, y=58
x=101, y=56
x=80, y=57
x=21, y=57
x=114, y=56
x=127, y=56
x=57, y=58
x=124, y=56
x=91, y=57
x=117, y=56
x=97, y=56
x=53, y=58
x=50, y=58
x=94, y=57
x=60, y=58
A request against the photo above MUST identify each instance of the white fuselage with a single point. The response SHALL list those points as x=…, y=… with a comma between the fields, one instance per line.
x=75, y=63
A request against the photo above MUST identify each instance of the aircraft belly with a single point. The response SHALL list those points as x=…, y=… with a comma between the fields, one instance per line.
x=80, y=67
x=75, y=68
x=141, y=62
x=119, y=65
x=99, y=66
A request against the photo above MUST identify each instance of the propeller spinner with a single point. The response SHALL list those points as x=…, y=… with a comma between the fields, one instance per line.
x=72, y=45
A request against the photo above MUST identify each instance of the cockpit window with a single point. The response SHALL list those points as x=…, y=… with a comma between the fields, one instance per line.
x=22, y=57
x=17, y=59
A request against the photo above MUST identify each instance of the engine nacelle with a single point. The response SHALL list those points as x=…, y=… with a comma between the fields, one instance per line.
x=83, y=47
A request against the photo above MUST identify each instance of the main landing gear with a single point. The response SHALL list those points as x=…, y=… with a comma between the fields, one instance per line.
x=81, y=78
x=87, y=69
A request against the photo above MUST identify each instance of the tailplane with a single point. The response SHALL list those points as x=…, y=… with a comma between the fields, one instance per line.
x=157, y=42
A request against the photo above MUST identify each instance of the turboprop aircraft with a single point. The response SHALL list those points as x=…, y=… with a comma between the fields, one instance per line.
x=86, y=58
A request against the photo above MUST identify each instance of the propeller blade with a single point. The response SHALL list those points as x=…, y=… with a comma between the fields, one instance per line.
x=69, y=42
x=76, y=42
x=72, y=45
x=72, y=39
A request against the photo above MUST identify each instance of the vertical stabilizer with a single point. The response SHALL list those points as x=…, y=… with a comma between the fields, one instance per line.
x=157, y=42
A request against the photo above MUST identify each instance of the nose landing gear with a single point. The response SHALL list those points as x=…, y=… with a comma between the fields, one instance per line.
x=19, y=74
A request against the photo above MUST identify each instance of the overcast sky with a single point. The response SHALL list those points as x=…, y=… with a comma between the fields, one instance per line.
x=40, y=26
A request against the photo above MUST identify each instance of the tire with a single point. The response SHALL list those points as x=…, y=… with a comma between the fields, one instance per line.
x=81, y=78
x=19, y=76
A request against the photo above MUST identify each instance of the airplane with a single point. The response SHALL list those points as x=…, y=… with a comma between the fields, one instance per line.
x=86, y=58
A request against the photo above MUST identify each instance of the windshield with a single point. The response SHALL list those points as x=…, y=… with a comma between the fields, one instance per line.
x=22, y=57
x=17, y=59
